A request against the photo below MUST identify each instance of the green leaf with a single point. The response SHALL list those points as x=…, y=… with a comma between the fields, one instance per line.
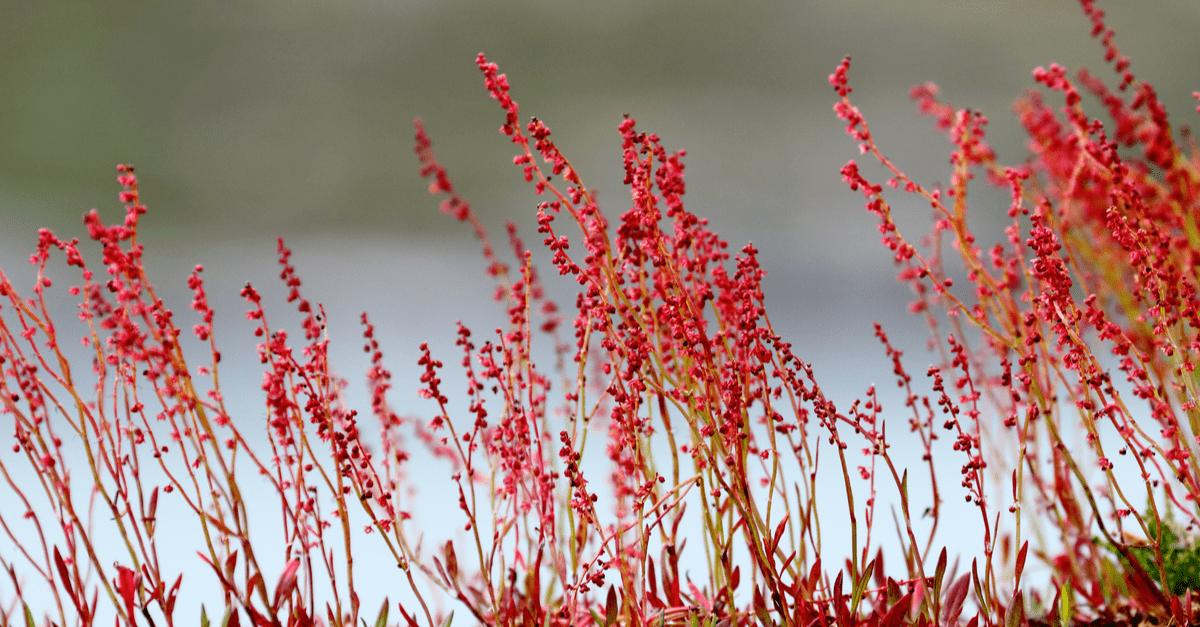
x=1015, y=616
x=381, y=621
x=860, y=586
x=596, y=617
x=1066, y=603
x=939, y=574
x=28, y=616
x=203, y=616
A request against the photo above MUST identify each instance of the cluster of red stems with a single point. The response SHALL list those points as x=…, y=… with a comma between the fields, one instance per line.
x=671, y=340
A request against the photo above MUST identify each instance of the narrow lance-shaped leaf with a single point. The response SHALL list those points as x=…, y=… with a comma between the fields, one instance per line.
x=1020, y=564
x=953, y=601
x=861, y=586
x=1066, y=603
x=287, y=583
x=1015, y=615
x=381, y=620
x=610, y=607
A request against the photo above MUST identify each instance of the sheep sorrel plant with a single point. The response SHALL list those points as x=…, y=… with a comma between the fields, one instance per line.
x=712, y=428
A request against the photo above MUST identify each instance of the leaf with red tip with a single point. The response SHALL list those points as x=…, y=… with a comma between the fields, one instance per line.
x=975, y=581
x=1015, y=616
x=893, y=592
x=441, y=571
x=451, y=561
x=760, y=609
x=381, y=620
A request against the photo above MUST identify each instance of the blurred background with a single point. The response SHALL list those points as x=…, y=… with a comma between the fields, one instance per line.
x=252, y=120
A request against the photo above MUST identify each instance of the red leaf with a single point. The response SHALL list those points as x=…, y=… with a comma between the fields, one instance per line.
x=812, y=583
x=65, y=575
x=610, y=607
x=126, y=584
x=286, y=584
x=955, y=595
x=918, y=595
x=255, y=581
x=451, y=561
x=1020, y=563
x=150, y=517
x=230, y=564
x=300, y=618
x=170, y=600
x=841, y=612
x=760, y=609
x=779, y=532
x=409, y=620
x=441, y=571
x=257, y=619
x=895, y=615
x=737, y=577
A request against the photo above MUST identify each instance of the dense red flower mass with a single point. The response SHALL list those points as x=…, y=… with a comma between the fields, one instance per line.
x=1083, y=320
